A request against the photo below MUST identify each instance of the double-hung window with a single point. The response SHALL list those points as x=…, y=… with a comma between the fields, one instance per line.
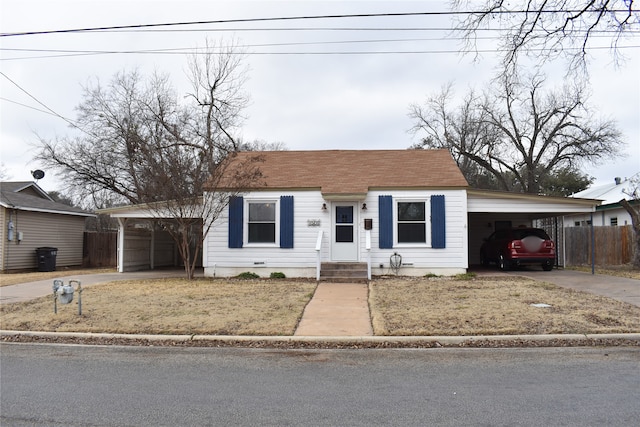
x=262, y=222
x=411, y=222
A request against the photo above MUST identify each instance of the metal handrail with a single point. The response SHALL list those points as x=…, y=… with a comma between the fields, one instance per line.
x=319, y=254
x=368, y=248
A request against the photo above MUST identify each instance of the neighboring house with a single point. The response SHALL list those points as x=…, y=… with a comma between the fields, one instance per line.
x=610, y=212
x=30, y=220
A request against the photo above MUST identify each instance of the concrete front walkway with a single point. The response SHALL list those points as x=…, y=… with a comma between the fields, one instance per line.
x=337, y=309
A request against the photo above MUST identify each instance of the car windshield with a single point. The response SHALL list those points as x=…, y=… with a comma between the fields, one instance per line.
x=520, y=234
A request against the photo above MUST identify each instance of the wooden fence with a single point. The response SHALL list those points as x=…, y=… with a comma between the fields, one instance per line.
x=613, y=245
x=100, y=249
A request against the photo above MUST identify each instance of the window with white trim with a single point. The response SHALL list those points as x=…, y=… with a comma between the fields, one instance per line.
x=411, y=222
x=261, y=222
x=614, y=221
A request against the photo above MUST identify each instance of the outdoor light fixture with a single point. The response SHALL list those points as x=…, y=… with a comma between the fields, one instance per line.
x=364, y=206
x=324, y=206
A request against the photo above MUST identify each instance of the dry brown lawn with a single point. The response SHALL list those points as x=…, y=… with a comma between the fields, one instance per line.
x=7, y=279
x=493, y=305
x=399, y=306
x=170, y=306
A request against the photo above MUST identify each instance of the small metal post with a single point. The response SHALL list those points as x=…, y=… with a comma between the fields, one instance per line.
x=56, y=284
x=79, y=299
x=79, y=291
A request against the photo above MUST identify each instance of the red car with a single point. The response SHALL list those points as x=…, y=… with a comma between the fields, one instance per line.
x=518, y=246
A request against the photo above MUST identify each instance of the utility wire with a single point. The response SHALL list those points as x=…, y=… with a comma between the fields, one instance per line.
x=186, y=51
x=28, y=106
x=49, y=110
x=289, y=18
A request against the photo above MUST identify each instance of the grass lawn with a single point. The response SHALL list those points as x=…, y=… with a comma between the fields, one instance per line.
x=399, y=306
x=493, y=305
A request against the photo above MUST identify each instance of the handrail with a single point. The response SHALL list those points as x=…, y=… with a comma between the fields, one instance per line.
x=368, y=248
x=319, y=254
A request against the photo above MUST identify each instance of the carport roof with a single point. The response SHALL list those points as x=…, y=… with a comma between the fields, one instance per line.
x=532, y=205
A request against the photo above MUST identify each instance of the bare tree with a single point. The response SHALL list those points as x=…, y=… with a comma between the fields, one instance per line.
x=550, y=28
x=632, y=206
x=4, y=173
x=142, y=144
x=516, y=132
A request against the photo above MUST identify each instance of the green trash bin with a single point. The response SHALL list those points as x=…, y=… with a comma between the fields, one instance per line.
x=46, y=258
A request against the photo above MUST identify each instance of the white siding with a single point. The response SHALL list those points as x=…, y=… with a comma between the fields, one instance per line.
x=539, y=205
x=301, y=260
x=137, y=250
x=601, y=217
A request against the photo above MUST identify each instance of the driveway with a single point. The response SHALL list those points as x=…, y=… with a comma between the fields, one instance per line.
x=619, y=288
x=31, y=290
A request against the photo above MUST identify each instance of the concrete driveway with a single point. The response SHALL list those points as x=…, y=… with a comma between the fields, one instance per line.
x=31, y=290
x=619, y=288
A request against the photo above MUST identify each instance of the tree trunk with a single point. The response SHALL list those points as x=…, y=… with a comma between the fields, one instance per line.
x=635, y=224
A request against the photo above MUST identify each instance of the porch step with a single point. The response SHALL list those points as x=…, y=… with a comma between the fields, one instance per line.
x=343, y=272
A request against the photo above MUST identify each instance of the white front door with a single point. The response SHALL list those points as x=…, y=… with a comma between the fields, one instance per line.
x=344, y=239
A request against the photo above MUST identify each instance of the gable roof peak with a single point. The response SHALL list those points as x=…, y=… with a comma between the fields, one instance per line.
x=355, y=171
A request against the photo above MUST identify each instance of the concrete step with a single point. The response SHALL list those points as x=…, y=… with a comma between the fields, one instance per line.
x=343, y=271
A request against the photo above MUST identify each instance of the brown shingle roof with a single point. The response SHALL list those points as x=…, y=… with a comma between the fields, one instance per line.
x=356, y=171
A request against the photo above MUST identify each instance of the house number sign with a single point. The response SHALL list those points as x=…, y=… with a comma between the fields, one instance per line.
x=313, y=223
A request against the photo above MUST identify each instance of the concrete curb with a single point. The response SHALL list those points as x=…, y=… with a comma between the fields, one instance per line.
x=392, y=341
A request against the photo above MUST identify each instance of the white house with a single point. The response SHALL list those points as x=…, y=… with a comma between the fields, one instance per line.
x=609, y=212
x=407, y=211
x=378, y=207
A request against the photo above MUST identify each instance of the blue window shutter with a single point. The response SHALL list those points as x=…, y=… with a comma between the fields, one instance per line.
x=437, y=222
x=286, y=222
x=385, y=214
x=236, y=207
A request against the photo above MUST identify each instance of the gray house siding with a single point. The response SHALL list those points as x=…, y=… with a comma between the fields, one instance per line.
x=39, y=229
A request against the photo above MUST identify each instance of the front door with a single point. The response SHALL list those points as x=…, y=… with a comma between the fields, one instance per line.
x=344, y=242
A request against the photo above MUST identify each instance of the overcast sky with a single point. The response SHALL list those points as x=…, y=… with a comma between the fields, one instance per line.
x=314, y=83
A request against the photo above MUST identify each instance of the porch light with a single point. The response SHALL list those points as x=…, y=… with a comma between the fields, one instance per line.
x=364, y=206
x=324, y=206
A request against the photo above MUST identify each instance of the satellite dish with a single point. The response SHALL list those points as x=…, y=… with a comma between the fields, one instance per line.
x=37, y=174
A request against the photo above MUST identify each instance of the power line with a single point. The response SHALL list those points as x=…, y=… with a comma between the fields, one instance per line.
x=49, y=110
x=289, y=18
x=190, y=51
x=27, y=106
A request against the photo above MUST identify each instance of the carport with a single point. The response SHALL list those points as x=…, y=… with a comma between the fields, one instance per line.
x=143, y=242
x=489, y=210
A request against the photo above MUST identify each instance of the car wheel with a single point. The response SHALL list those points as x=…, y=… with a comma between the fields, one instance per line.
x=547, y=266
x=504, y=263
